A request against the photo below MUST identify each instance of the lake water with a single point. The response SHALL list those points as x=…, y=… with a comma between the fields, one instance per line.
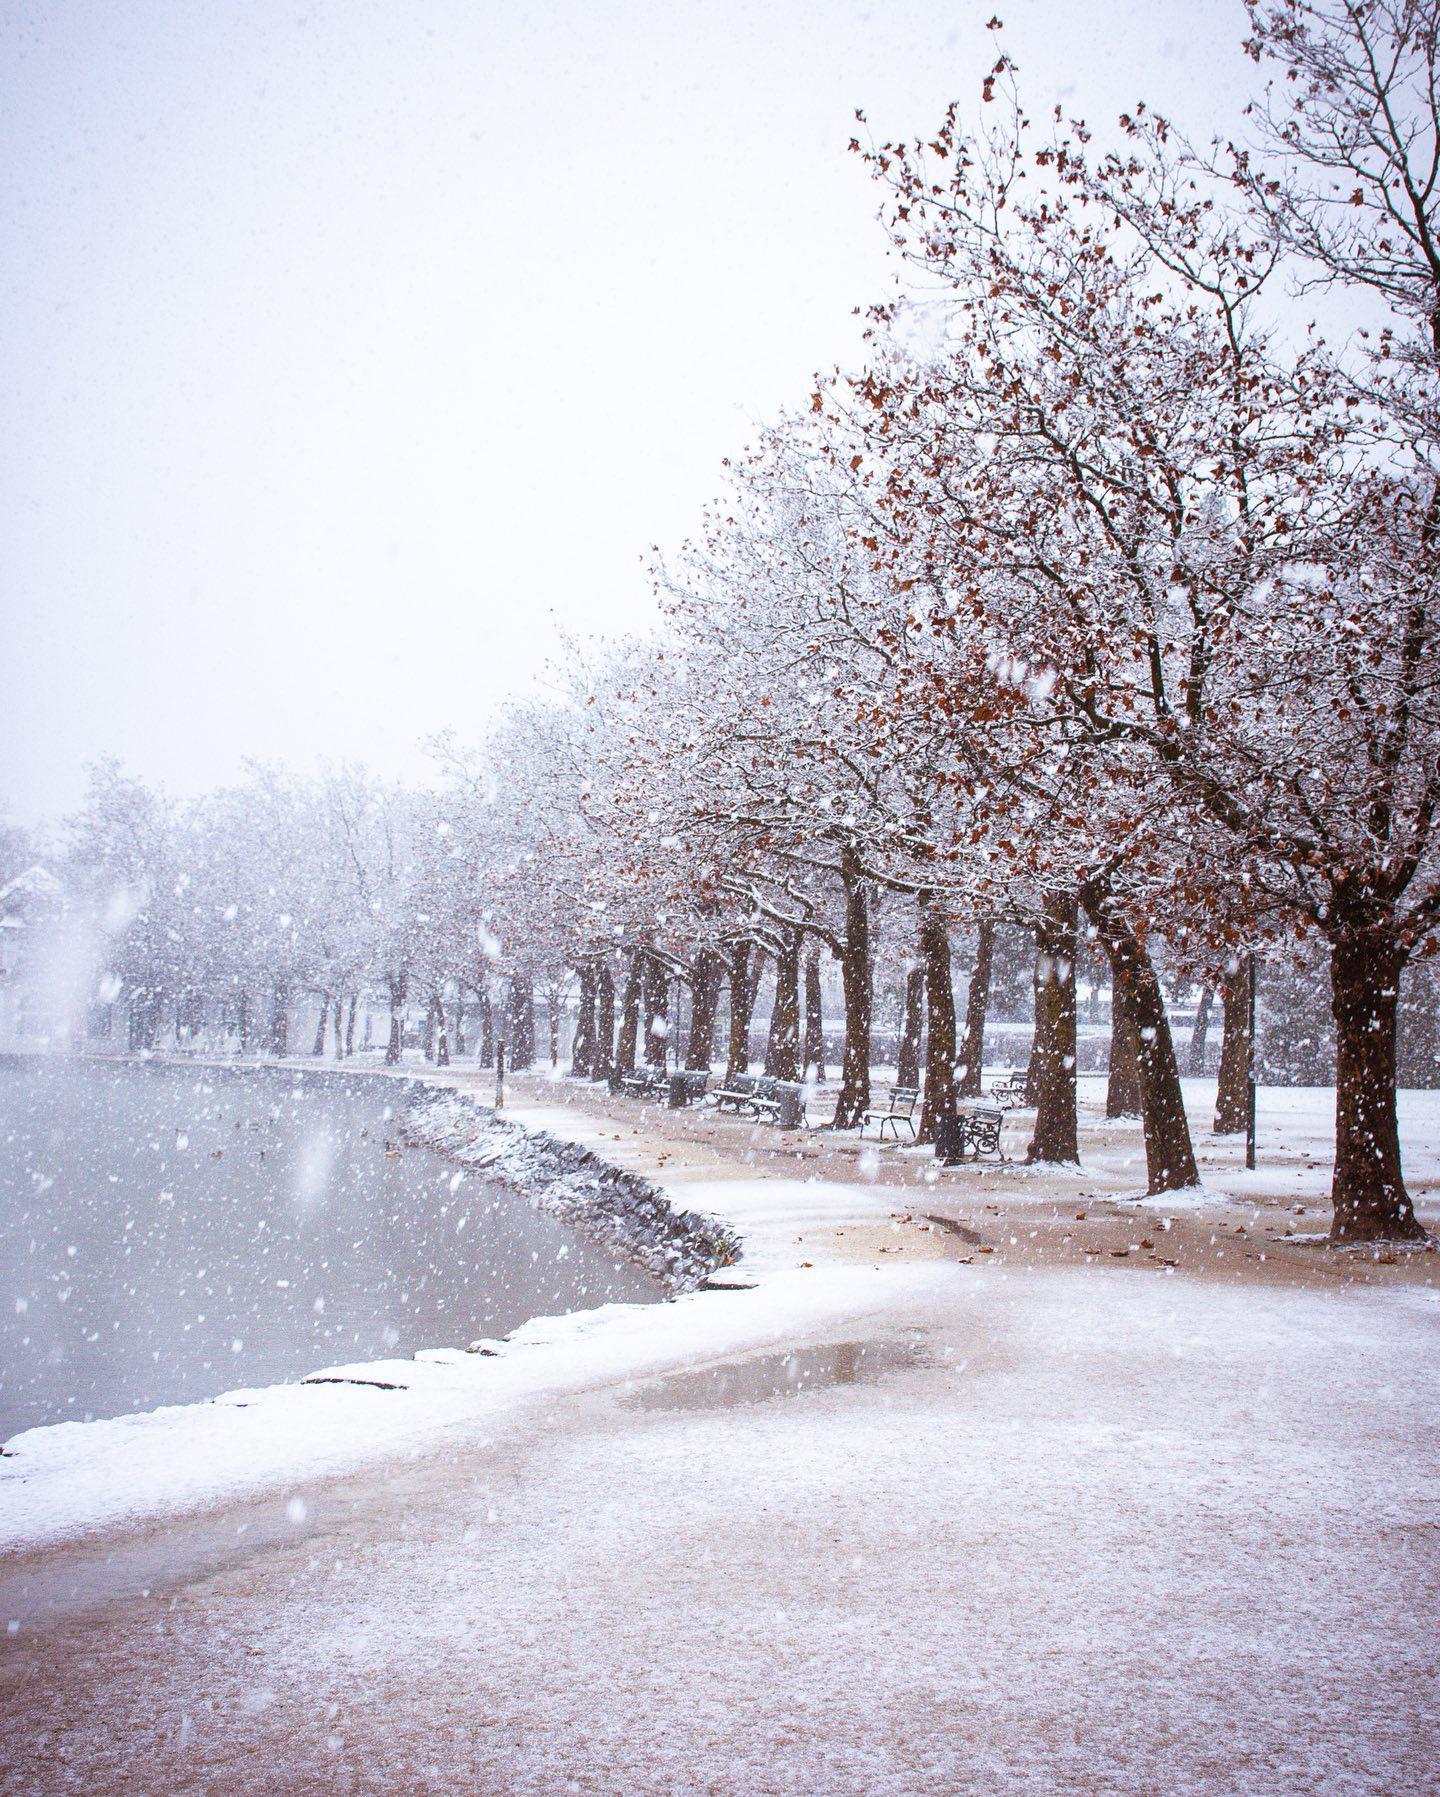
x=169, y=1233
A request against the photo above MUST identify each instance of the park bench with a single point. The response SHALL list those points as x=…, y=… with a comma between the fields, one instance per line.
x=980, y=1130
x=765, y=1101
x=901, y=1109
x=771, y=1100
x=1010, y=1091
x=738, y=1095
x=644, y=1082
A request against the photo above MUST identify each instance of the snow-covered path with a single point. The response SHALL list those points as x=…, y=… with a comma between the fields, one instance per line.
x=1114, y=1534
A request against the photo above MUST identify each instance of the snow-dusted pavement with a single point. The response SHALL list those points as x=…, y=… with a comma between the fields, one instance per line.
x=911, y=1524
x=1117, y=1533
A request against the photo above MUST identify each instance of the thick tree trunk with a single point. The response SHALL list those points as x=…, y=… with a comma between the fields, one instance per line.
x=244, y=1022
x=279, y=1020
x=1122, y=1089
x=912, y=1027
x=704, y=1010
x=813, y=1051
x=440, y=1030
x=338, y=1025
x=487, y=1030
x=458, y=1027
x=399, y=985
x=582, y=1049
x=657, y=1013
x=552, y=1018
x=1199, y=1032
x=318, y=1046
x=350, y=1025
x=939, y=1100
x=855, y=976
x=1232, y=1089
x=427, y=1032
x=630, y=1014
x=1368, y=1192
x=742, y=1003
x=977, y=1004
x=1169, y=1156
x=1056, y=1136
x=782, y=1054
x=604, y=1062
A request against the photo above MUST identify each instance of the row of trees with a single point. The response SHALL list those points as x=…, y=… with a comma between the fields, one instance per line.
x=1102, y=598
x=222, y=913
x=1100, y=602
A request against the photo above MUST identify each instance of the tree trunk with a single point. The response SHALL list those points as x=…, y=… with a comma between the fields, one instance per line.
x=440, y=1030
x=977, y=1004
x=458, y=1029
x=1056, y=1136
x=782, y=1054
x=427, y=1032
x=630, y=1014
x=855, y=976
x=912, y=1025
x=1122, y=1089
x=350, y=1025
x=655, y=988
x=1371, y=1203
x=582, y=1049
x=704, y=1009
x=604, y=1061
x=939, y=1101
x=1232, y=1096
x=244, y=1021
x=742, y=1003
x=338, y=1025
x=318, y=1046
x=520, y=1003
x=487, y=1029
x=813, y=1052
x=399, y=984
x=279, y=1020
x=1169, y=1156
x=1199, y=1031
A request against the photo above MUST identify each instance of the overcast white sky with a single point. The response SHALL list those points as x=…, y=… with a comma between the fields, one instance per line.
x=350, y=347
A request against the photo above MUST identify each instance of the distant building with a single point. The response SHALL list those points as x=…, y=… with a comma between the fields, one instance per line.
x=34, y=1010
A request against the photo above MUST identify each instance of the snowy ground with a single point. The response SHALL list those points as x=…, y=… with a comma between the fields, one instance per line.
x=950, y=1500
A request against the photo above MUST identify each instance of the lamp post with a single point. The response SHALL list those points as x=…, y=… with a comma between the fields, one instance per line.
x=1250, y=1065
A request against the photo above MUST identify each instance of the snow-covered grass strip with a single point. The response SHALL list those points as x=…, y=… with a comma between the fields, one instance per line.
x=72, y=1480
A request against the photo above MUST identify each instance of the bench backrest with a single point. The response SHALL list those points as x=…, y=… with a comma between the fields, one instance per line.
x=904, y=1098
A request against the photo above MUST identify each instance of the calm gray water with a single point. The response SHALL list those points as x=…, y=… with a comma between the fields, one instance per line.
x=167, y=1234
